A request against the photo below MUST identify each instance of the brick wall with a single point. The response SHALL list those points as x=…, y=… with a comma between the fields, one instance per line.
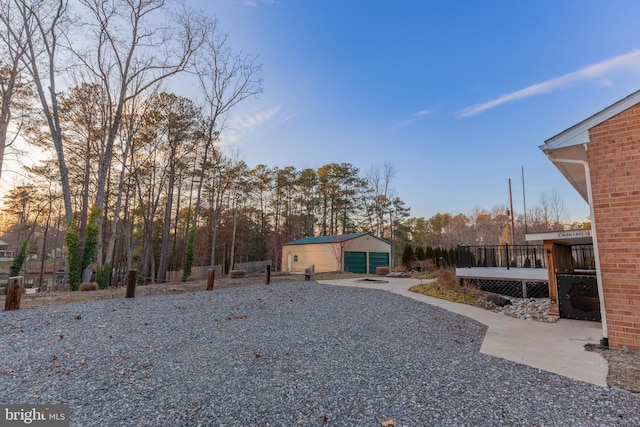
x=614, y=159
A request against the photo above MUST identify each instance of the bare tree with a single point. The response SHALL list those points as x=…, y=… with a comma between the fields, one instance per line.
x=45, y=23
x=545, y=210
x=131, y=53
x=338, y=249
x=226, y=78
x=150, y=178
x=379, y=179
x=123, y=50
x=176, y=117
x=133, y=114
x=12, y=73
x=557, y=211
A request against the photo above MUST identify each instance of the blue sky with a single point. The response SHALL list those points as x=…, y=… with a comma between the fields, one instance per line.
x=457, y=95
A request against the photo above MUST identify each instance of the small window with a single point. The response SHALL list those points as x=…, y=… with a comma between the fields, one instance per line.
x=295, y=258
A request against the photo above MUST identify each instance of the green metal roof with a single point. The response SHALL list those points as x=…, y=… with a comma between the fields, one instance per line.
x=327, y=239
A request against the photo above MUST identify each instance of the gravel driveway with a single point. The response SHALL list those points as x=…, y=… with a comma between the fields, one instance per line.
x=290, y=354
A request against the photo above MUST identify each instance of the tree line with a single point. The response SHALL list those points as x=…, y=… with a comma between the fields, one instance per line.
x=246, y=214
x=484, y=227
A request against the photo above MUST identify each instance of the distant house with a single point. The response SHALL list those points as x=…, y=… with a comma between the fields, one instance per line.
x=356, y=253
x=5, y=251
x=600, y=157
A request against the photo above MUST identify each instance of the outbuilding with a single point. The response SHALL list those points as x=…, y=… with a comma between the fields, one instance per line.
x=357, y=253
x=600, y=157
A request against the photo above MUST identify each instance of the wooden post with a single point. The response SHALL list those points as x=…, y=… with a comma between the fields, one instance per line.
x=14, y=293
x=211, y=277
x=554, y=303
x=131, y=283
x=267, y=275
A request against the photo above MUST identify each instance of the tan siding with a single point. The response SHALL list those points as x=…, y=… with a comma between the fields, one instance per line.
x=324, y=255
x=367, y=244
x=321, y=255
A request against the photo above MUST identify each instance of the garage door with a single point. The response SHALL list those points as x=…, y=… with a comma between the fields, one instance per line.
x=355, y=262
x=378, y=259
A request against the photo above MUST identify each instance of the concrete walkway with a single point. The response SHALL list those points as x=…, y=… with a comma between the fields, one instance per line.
x=554, y=347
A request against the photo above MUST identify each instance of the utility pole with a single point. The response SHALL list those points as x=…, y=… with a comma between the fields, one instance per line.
x=524, y=202
x=391, y=261
x=512, y=215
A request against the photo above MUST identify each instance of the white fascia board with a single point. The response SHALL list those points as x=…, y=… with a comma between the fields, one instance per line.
x=573, y=137
x=579, y=133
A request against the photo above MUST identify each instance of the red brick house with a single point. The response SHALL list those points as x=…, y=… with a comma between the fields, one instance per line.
x=600, y=157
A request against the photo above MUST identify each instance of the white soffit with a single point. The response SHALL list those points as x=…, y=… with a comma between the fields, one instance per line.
x=565, y=159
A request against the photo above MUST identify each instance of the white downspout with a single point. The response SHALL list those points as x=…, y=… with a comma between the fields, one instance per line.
x=603, y=312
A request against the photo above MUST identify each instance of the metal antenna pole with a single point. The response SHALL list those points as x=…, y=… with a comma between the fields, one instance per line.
x=524, y=202
x=513, y=230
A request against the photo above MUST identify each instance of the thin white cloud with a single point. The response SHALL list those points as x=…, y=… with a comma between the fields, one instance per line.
x=243, y=124
x=256, y=3
x=416, y=116
x=257, y=119
x=588, y=73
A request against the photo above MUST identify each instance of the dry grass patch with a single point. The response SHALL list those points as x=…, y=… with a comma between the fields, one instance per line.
x=44, y=299
x=447, y=287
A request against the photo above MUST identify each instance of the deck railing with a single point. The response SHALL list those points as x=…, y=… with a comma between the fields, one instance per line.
x=520, y=256
x=506, y=256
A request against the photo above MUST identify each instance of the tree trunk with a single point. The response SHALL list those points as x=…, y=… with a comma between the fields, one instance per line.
x=233, y=238
x=214, y=238
x=84, y=212
x=166, y=226
x=116, y=211
x=44, y=248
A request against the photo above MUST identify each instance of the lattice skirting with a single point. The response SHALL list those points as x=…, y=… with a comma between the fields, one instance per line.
x=511, y=288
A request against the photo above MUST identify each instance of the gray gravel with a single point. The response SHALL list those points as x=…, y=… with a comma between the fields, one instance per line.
x=291, y=354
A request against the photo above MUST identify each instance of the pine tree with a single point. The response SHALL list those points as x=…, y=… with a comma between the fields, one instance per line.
x=429, y=254
x=408, y=257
